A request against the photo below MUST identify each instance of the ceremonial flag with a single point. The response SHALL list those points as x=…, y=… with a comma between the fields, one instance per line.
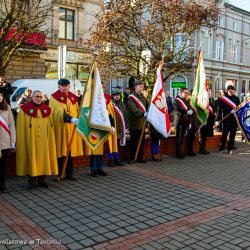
x=200, y=96
x=242, y=116
x=94, y=125
x=158, y=114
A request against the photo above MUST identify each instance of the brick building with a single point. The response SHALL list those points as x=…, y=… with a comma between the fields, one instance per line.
x=67, y=24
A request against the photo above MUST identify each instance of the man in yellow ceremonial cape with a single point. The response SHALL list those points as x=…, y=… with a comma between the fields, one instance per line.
x=35, y=144
x=64, y=106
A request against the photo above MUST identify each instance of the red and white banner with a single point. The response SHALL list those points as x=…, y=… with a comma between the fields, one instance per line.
x=4, y=125
x=228, y=102
x=138, y=102
x=158, y=114
x=120, y=116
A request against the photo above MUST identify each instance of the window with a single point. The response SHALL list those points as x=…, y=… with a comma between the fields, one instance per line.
x=220, y=21
x=181, y=46
x=234, y=23
x=219, y=50
x=66, y=24
x=233, y=53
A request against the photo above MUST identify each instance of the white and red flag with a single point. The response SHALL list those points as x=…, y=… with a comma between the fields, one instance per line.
x=158, y=114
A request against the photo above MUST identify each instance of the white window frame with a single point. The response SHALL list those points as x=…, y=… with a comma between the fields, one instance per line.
x=219, y=50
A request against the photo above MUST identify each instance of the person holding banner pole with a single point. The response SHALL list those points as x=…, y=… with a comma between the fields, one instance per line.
x=226, y=106
x=65, y=111
x=182, y=111
x=137, y=106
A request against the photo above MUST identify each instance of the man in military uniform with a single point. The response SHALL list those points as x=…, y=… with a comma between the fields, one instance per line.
x=137, y=106
x=181, y=112
x=226, y=106
x=64, y=105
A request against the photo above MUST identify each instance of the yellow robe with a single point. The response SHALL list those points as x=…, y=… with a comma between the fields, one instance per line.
x=112, y=139
x=35, y=145
x=63, y=131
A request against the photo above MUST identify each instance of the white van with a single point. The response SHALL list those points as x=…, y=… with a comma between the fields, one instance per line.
x=47, y=86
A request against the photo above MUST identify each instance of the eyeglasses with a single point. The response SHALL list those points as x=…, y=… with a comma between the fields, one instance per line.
x=38, y=96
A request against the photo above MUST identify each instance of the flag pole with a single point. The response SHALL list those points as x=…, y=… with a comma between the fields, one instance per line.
x=144, y=125
x=65, y=161
x=139, y=144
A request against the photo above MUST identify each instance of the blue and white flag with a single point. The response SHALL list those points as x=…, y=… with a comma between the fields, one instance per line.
x=242, y=116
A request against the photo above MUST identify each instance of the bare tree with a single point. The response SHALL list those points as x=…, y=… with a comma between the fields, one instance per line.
x=21, y=24
x=134, y=35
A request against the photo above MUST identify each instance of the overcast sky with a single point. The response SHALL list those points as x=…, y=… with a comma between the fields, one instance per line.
x=243, y=4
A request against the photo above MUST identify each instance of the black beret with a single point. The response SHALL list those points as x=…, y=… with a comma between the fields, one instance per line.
x=139, y=82
x=63, y=82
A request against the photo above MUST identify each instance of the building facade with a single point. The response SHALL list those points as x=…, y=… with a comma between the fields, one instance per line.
x=226, y=52
x=67, y=25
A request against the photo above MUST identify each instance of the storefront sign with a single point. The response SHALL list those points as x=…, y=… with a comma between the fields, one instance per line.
x=178, y=85
x=72, y=57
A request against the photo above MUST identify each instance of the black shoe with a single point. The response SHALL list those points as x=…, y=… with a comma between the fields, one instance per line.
x=101, y=172
x=118, y=163
x=43, y=184
x=58, y=178
x=94, y=174
x=234, y=148
x=141, y=161
x=180, y=157
x=71, y=178
x=3, y=189
x=31, y=186
x=110, y=163
x=191, y=154
x=131, y=161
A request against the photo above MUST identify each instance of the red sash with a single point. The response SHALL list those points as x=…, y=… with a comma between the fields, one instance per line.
x=4, y=125
x=120, y=116
x=183, y=105
x=138, y=102
x=210, y=109
x=228, y=102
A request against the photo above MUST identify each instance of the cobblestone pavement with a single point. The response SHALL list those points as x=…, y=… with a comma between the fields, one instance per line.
x=200, y=202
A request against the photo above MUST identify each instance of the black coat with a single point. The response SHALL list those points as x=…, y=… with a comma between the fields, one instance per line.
x=208, y=129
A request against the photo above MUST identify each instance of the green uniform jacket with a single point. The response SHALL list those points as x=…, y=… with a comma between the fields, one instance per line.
x=135, y=114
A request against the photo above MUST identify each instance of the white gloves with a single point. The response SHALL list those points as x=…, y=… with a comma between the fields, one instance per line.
x=232, y=111
x=112, y=130
x=217, y=124
x=146, y=114
x=12, y=145
x=75, y=121
x=189, y=126
x=190, y=112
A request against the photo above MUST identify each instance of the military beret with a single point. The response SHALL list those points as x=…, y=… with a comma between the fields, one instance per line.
x=139, y=82
x=63, y=82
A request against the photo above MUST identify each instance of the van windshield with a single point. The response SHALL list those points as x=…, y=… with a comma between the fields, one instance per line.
x=17, y=95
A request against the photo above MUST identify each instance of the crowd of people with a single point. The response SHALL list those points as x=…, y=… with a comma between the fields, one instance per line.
x=43, y=128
